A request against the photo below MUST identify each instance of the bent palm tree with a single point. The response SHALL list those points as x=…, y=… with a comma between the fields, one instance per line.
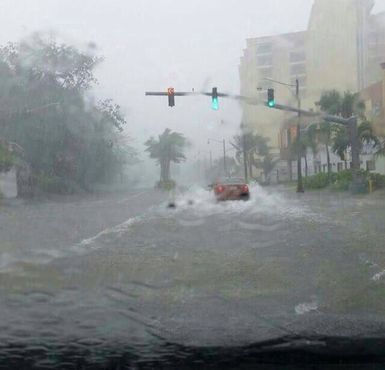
x=169, y=147
x=346, y=106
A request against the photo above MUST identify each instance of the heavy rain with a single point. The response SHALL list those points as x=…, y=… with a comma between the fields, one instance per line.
x=191, y=184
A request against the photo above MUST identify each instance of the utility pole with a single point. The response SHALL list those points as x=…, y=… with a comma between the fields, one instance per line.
x=224, y=157
x=300, y=188
x=355, y=147
x=211, y=160
x=244, y=155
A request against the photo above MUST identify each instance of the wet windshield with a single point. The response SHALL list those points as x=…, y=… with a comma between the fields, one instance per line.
x=121, y=123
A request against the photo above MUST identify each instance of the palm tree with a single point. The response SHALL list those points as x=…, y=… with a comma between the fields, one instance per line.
x=312, y=143
x=254, y=145
x=169, y=147
x=342, y=141
x=346, y=106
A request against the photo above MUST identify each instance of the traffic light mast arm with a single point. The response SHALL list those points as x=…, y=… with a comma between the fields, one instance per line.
x=254, y=101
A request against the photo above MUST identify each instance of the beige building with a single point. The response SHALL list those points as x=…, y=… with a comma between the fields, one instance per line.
x=374, y=98
x=281, y=58
x=342, y=49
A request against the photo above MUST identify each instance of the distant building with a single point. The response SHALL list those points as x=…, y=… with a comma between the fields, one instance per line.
x=374, y=98
x=282, y=58
x=342, y=49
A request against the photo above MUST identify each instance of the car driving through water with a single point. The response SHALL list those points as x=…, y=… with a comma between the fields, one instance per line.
x=231, y=188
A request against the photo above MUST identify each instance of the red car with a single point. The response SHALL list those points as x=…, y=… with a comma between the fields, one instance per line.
x=231, y=189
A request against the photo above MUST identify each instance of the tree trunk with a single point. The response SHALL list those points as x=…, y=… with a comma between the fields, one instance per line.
x=306, y=167
x=328, y=161
x=162, y=171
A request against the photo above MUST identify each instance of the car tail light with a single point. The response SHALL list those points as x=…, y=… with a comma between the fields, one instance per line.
x=220, y=189
x=245, y=188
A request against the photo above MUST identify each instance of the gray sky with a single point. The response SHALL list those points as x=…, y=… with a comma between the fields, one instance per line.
x=153, y=44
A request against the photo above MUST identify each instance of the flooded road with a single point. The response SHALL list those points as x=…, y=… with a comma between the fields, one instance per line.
x=203, y=274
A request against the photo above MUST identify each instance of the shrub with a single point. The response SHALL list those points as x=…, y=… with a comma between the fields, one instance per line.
x=6, y=159
x=166, y=185
x=54, y=185
x=341, y=180
x=318, y=181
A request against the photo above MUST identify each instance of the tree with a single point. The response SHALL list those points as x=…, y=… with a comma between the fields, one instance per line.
x=6, y=158
x=47, y=108
x=255, y=146
x=168, y=148
x=337, y=136
x=301, y=147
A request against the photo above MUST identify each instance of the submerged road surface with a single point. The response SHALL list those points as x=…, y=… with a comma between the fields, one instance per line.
x=98, y=275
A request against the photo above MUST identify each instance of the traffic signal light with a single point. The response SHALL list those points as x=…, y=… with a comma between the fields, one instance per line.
x=214, y=97
x=171, y=96
x=270, y=98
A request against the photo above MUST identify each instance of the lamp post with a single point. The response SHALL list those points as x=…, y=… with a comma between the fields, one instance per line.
x=300, y=188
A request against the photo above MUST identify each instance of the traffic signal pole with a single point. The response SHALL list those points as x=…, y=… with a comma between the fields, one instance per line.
x=300, y=188
x=351, y=123
x=224, y=157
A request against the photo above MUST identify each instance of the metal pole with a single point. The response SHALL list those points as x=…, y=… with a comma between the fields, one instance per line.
x=224, y=157
x=355, y=147
x=300, y=188
x=211, y=160
x=244, y=156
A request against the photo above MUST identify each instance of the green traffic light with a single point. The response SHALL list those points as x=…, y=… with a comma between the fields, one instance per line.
x=215, y=104
x=271, y=103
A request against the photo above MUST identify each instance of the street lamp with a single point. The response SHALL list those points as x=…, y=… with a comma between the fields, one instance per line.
x=300, y=188
x=223, y=142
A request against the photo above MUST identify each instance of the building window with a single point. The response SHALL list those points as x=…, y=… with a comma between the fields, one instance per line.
x=298, y=69
x=264, y=48
x=265, y=60
x=297, y=56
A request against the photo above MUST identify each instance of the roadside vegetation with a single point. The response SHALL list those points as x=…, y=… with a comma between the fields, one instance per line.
x=70, y=140
x=335, y=138
x=341, y=181
x=168, y=148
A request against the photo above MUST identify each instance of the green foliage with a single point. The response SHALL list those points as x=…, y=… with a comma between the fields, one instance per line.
x=341, y=181
x=166, y=185
x=6, y=159
x=346, y=106
x=64, y=133
x=169, y=147
x=318, y=181
x=257, y=152
x=55, y=185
